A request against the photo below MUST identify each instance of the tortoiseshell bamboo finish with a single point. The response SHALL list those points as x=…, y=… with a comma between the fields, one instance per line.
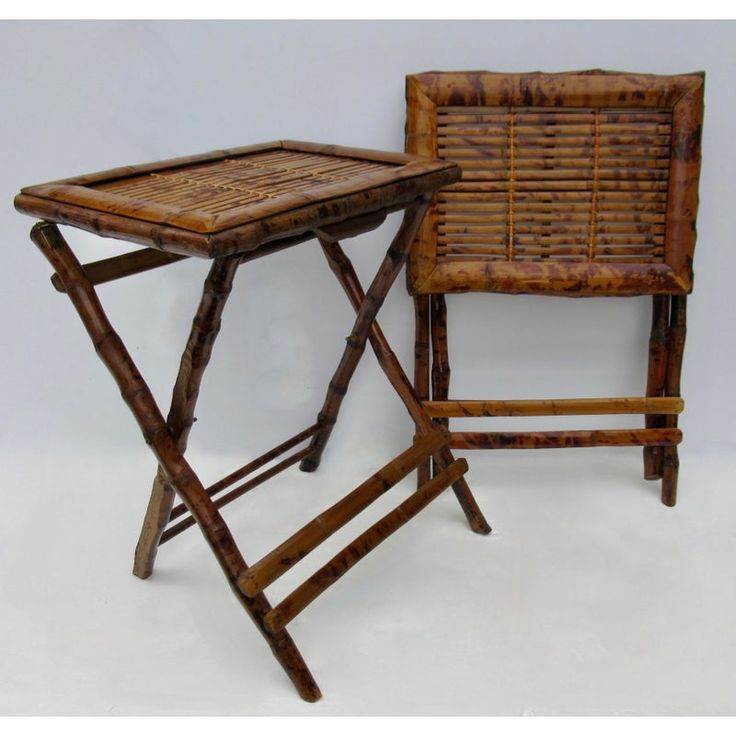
x=574, y=184
x=233, y=207
x=568, y=191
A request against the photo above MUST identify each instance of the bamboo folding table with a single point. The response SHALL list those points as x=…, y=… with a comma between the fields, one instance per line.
x=576, y=184
x=232, y=207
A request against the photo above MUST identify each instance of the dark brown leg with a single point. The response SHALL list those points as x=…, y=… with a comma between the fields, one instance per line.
x=384, y=278
x=194, y=360
x=440, y=354
x=179, y=475
x=657, y=371
x=421, y=366
x=345, y=273
x=675, y=350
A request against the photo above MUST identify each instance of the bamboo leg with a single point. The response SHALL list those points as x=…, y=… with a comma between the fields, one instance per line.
x=421, y=366
x=345, y=273
x=655, y=380
x=440, y=355
x=382, y=282
x=157, y=435
x=194, y=360
x=675, y=350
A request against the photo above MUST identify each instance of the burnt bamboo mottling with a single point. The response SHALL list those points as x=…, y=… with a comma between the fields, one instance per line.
x=355, y=342
x=421, y=367
x=657, y=371
x=282, y=558
x=110, y=203
x=250, y=467
x=194, y=361
x=189, y=521
x=675, y=351
x=138, y=397
x=574, y=184
x=554, y=407
x=567, y=438
x=295, y=602
x=345, y=273
x=440, y=351
x=118, y=267
x=233, y=207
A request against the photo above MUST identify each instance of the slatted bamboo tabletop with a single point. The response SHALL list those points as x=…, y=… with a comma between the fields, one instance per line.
x=232, y=201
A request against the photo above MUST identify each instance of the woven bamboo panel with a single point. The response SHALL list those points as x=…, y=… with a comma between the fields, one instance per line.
x=232, y=183
x=557, y=184
x=573, y=184
x=236, y=200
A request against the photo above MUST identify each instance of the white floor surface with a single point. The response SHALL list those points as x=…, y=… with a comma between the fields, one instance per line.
x=589, y=597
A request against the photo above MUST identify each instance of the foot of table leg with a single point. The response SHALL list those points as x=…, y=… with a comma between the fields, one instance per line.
x=154, y=523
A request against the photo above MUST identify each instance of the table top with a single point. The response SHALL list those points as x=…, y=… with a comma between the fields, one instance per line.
x=232, y=201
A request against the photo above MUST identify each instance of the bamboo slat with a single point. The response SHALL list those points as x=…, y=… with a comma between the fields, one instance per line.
x=228, y=202
x=250, y=467
x=554, y=407
x=297, y=601
x=118, y=267
x=606, y=143
x=281, y=559
x=559, y=439
x=237, y=492
x=528, y=159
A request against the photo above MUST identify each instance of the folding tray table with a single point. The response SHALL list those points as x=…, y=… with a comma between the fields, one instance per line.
x=233, y=206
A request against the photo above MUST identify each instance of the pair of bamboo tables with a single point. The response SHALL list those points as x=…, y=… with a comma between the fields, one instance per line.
x=231, y=207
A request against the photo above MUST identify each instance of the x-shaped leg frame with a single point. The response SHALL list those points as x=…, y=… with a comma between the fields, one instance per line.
x=167, y=439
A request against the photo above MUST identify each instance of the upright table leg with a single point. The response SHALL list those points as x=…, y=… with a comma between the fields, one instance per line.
x=421, y=366
x=675, y=350
x=345, y=273
x=656, y=375
x=194, y=360
x=440, y=353
x=157, y=434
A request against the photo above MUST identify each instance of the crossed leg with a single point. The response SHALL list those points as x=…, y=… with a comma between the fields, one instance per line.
x=167, y=439
x=371, y=331
x=194, y=360
x=176, y=472
x=666, y=348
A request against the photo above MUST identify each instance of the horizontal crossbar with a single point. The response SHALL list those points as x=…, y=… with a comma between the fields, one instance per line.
x=554, y=407
x=238, y=492
x=300, y=544
x=236, y=475
x=250, y=467
x=296, y=602
x=118, y=267
x=574, y=438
